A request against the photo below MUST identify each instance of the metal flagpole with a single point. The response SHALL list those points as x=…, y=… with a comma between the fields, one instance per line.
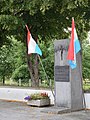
x=83, y=97
x=46, y=75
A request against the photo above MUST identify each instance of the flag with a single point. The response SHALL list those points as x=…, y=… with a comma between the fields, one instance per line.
x=32, y=45
x=74, y=47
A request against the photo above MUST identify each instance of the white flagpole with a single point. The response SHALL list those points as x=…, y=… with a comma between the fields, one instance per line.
x=46, y=75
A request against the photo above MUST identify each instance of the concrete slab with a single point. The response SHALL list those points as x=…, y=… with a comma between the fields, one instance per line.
x=20, y=111
x=56, y=110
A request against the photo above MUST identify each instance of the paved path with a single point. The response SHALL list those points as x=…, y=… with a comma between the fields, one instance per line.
x=20, y=111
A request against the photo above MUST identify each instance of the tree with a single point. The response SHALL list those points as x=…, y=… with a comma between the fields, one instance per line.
x=21, y=73
x=45, y=18
x=5, y=62
x=86, y=60
x=12, y=57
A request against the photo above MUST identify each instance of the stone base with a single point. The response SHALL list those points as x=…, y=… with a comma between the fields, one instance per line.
x=39, y=103
x=56, y=110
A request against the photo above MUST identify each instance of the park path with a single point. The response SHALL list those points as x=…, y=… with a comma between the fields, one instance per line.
x=20, y=111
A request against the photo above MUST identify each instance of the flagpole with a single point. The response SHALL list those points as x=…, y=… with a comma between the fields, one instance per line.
x=80, y=69
x=84, y=101
x=46, y=75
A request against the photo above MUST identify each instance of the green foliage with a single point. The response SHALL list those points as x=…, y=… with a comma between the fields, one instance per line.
x=20, y=69
x=86, y=86
x=21, y=73
x=12, y=56
x=5, y=62
x=38, y=96
x=86, y=60
x=18, y=52
x=47, y=60
x=44, y=18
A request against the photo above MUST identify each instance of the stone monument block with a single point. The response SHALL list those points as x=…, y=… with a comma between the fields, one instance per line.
x=68, y=82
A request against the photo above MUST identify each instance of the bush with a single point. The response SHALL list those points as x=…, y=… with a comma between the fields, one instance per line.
x=21, y=73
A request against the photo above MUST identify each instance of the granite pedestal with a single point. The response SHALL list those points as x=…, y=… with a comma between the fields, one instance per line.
x=68, y=82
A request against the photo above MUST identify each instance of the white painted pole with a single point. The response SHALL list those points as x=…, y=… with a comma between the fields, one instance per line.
x=19, y=82
x=29, y=82
x=46, y=75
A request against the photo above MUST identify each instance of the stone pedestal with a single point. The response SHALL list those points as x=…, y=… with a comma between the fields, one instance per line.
x=68, y=82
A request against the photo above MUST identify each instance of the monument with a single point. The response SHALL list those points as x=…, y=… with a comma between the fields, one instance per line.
x=68, y=82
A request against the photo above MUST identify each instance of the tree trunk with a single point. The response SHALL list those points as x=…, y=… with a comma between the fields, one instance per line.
x=3, y=80
x=33, y=69
x=36, y=76
x=32, y=62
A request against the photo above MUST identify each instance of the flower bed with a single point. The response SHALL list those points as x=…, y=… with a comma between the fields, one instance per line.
x=38, y=99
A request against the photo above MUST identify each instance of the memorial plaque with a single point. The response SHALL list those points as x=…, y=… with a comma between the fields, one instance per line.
x=62, y=73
